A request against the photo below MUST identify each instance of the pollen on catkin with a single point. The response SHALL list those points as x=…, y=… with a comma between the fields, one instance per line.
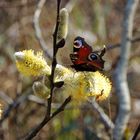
x=81, y=85
x=100, y=85
x=78, y=85
x=31, y=64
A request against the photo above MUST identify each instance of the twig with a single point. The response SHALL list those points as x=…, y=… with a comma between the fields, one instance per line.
x=120, y=74
x=15, y=103
x=54, y=62
x=48, y=115
x=34, y=132
x=136, y=132
x=133, y=40
x=6, y=98
x=118, y=45
x=104, y=118
x=38, y=32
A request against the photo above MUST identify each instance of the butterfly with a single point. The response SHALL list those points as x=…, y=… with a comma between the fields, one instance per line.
x=84, y=58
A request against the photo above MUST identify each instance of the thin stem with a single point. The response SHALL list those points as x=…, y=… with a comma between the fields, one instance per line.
x=133, y=40
x=104, y=118
x=34, y=131
x=136, y=132
x=36, y=25
x=14, y=104
x=54, y=62
x=48, y=115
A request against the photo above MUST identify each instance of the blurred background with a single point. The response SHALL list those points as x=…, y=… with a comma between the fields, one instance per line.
x=100, y=23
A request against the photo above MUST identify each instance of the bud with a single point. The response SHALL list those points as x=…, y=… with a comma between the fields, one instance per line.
x=41, y=90
x=63, y=25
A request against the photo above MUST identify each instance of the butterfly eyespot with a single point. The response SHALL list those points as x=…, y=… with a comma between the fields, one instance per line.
x=92, y=56
x=77, y=44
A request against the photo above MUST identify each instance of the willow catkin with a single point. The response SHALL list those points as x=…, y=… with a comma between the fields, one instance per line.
x=63, y=25
x=41, y=90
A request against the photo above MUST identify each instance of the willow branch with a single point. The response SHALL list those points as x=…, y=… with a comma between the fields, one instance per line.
x=136, y=132
x=104, y=118
x=38, y=32
x=54, y=62
x=50, y=115
x=34, y=132
x=120, y=74
x=14, y=104
x=6, y=98
x=133, y=40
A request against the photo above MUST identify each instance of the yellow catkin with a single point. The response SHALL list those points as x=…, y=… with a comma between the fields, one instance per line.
x=100, y=86
x=79, y=85
x=31, y=64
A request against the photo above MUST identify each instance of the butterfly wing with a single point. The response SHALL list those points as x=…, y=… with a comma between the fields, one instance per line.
x=93, y=63
x=84, y=59
x=95, y=60
x=81, y=50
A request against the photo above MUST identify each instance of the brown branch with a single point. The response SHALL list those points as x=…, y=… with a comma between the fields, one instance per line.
x=54, y=62
x=136, y=132
x=34, y=132
x=48, y=115
x=120, y=74
x=15, y=103
x=118, y=45
x=133, y=40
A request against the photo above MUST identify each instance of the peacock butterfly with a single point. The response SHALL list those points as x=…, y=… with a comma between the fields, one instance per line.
x=84, y=58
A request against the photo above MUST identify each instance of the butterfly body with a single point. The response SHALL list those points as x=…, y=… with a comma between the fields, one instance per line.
x=84, y=59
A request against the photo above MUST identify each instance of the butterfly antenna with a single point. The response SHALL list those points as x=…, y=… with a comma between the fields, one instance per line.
x=103, y=51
